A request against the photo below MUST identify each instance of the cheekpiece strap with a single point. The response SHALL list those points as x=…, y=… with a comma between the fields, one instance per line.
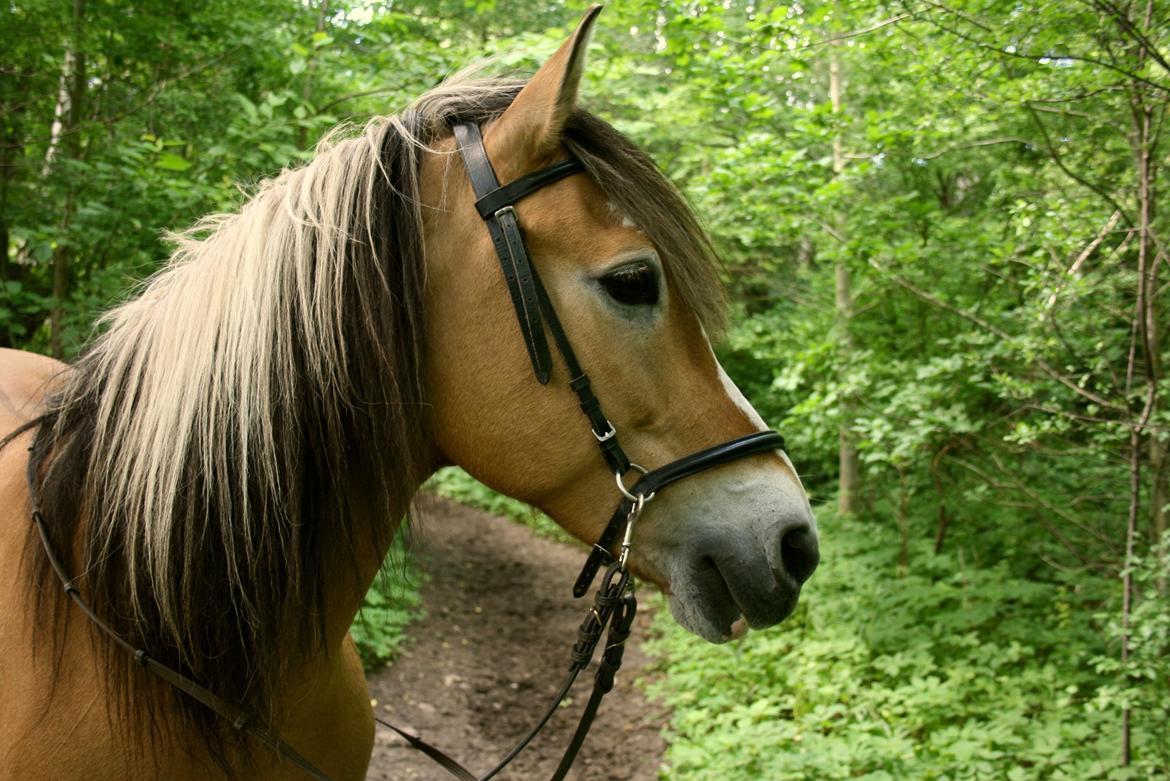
x=534, y=309
x=509, y=244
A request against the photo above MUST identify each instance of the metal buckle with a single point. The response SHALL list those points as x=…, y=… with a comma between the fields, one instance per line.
x=608, y=435
x=506, y=210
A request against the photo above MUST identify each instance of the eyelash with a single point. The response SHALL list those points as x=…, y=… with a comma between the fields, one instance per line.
x=635, y=285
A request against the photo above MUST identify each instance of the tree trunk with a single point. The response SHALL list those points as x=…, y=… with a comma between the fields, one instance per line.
x=1147, y=331
x=69, y=110
x=311, y=70
x=849, y=468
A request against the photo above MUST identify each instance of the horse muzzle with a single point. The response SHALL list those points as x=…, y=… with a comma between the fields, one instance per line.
x=719, y=572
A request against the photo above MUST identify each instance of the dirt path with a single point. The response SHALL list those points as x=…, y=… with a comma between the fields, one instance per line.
x=483, y=664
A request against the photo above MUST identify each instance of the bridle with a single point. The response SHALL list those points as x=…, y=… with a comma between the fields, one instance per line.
x=535, y=313
x=614, y=605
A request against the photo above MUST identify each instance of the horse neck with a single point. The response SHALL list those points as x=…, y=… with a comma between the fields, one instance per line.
x=349, y=571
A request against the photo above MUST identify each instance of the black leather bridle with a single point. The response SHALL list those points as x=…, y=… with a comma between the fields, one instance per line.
x=614, y=606
x=535, y=313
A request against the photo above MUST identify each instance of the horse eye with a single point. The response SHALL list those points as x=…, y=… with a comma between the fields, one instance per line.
x=633, y=285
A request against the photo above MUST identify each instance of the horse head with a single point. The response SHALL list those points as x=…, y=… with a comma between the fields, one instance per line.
x=632, y=277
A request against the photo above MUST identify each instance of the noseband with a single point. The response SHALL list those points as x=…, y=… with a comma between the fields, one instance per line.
x=614, y=605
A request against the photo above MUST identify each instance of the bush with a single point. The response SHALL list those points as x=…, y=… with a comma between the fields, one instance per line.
x=392, y=603
x=455, y=484
x=951, y=672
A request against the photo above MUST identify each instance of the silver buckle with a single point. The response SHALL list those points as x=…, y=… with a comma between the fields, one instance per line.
x=607, y=435
x=506, y=210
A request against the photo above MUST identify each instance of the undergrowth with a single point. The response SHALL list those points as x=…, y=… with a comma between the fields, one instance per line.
x=392, y=603
x=951, y=672
x=455, y=484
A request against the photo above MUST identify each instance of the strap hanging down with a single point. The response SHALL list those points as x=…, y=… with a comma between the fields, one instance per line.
x=238, y=718
x=656, y=480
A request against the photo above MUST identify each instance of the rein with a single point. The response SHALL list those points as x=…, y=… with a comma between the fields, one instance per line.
x=614, y=605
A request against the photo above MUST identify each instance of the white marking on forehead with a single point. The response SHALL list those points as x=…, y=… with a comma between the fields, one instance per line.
x=626, y=221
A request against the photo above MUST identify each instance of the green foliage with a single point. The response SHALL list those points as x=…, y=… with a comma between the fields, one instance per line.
x=955, y=671
x=988, y=213
x=1142, y=682
x=453, y=483
x=389, y=607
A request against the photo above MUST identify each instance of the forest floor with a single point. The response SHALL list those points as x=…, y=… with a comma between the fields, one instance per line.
x=480, y=668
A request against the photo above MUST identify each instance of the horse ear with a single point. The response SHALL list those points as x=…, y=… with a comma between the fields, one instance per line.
x=532, y=125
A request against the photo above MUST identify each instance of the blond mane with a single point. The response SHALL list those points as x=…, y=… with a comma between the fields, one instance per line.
x=229, y=427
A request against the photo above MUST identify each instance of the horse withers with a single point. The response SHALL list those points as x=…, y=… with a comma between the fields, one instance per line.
x=224, y=467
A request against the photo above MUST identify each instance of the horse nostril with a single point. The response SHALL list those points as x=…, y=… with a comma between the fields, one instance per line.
x=799, y=552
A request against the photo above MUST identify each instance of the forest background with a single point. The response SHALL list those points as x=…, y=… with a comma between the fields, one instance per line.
x=948, y=267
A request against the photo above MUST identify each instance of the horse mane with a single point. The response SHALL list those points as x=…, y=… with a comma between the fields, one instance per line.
x=243, y=420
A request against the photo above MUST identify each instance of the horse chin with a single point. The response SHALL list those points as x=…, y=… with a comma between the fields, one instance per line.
x=704, y=603
x=714, y=628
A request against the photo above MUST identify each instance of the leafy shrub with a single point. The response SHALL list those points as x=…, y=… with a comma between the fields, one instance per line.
x=392, y=603
x=455, y=484
x=951, y=672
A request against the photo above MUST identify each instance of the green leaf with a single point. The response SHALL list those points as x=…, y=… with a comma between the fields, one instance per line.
x=169, y=161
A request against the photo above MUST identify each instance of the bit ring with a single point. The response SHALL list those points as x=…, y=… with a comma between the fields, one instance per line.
x=625, y=491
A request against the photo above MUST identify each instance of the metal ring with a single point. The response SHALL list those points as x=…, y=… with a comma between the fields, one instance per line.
x=622, y=486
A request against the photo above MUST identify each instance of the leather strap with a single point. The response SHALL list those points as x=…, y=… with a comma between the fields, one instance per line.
x=509, y=244
x=603, y=680
x=239, y=718
x=440, y=758
x=534, y=309
x=657, y=479
x=513, y=192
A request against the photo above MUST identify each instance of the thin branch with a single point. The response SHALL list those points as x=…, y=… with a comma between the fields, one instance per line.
x=1075, y=268
x=355, y=96
x=829, y=229
x=1084, y=418
x=1082, y=96
x=964, y=16
x=976, y=144
x=1123, y=21
x=853, y=34
x=1056, y=158
x=1036, y=502
x=1056, y=510
x=1064, y=112
x=1044, y=366
x=1036, y=58
x=155, y=92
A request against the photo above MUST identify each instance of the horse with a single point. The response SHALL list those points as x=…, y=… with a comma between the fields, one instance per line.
x=223, y=469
